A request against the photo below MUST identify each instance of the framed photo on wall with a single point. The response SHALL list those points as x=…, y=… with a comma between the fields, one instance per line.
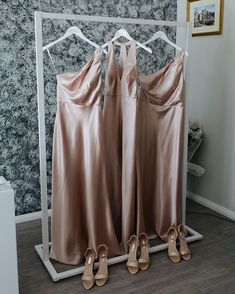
x=206, y=16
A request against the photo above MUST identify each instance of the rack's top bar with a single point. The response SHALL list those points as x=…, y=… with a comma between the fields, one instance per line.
x=94, y=18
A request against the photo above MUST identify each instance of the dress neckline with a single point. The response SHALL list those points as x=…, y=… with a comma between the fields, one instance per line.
x=97, y=54
x=176, y=60
x=127, y=58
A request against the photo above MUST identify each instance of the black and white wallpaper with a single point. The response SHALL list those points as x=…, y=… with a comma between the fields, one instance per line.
x=19, y=153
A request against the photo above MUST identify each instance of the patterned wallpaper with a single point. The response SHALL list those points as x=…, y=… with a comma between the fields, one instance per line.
x=19, y=159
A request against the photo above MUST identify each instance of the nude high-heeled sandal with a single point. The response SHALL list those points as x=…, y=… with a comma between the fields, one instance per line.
x=144, y=261
x=101, y=276
x=173, y=253
x=184, y=250
x=132, y=263
x=88, y=278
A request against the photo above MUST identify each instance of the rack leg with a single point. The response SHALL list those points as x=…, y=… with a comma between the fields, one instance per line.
x=42, y=132
x=186, y=124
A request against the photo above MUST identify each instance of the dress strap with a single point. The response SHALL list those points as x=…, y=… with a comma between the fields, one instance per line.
x=111, y=57
x=132, y=52
x=122, y=56
x=131, y=55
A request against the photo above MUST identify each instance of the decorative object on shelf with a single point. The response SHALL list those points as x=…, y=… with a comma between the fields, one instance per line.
x=206, y=16
x=195, y=137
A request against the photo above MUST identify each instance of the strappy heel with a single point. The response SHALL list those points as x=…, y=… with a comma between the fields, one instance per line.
x=132, y=263
x=173, y=253
x=144, y=261
x=101, y=276
x=88, y=278
x=184, y=250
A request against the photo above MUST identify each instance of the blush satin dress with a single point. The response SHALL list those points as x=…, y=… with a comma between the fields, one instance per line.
x=120, y=136
x=81, y=213
x=159, y=155
x=144, y=143
x=112, y=115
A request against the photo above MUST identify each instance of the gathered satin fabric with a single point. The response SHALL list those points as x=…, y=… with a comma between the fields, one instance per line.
x=120, y=136
x=112, y=115
x=159, y=155
x=145, y=127
x=81, y=213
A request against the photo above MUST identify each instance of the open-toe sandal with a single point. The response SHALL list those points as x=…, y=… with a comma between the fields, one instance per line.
x=144, y=260
x=173, y=253
x=132, y=263
x=184, y=250
x=88, y=278
x=101, y=276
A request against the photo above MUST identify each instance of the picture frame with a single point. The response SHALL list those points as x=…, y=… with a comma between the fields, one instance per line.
x=206, y=16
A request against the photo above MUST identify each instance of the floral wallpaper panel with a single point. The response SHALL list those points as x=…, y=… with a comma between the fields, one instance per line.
x=19, y=153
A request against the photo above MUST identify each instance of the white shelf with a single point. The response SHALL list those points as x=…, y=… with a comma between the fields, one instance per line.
x=8, y=251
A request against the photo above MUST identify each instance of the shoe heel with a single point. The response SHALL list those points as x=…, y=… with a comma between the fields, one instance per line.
x=144, y=261
x=173, y=253
x=102, y=275
x=184, y=250
x=88, y=278
x=132, y=263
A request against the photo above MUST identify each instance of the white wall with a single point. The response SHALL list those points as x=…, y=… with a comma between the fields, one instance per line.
x=212, y=105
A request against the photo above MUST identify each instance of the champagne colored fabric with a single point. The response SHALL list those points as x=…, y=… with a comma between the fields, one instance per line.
x=144, y=144
x=116, y=172
x=112, y=115
x=81, y=214
x=120, y=124
x=129, y=87
x=160, y=135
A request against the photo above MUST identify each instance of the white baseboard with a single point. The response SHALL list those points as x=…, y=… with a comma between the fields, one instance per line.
x=212, y=205
x=30, y=216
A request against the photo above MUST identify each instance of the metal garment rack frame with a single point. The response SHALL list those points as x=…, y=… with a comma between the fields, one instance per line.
x=43, y=249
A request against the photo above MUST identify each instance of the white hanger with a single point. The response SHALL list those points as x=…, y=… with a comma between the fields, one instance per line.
x=163, y=36
x=72, y=31
x=125, y=34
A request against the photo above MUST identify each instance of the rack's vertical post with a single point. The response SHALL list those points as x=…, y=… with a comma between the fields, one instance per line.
x=42, y=133
x=186, y=121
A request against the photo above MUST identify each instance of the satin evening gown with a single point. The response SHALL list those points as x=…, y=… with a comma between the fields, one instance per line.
x=144, y=144
x=160, y=138
x=81, y=213
x=120, y=136
x=112, y=115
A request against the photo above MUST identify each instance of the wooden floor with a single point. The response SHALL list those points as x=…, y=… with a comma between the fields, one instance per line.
x=211, y=270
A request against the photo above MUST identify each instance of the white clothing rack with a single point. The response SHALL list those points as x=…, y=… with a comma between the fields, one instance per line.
x=43, y=249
